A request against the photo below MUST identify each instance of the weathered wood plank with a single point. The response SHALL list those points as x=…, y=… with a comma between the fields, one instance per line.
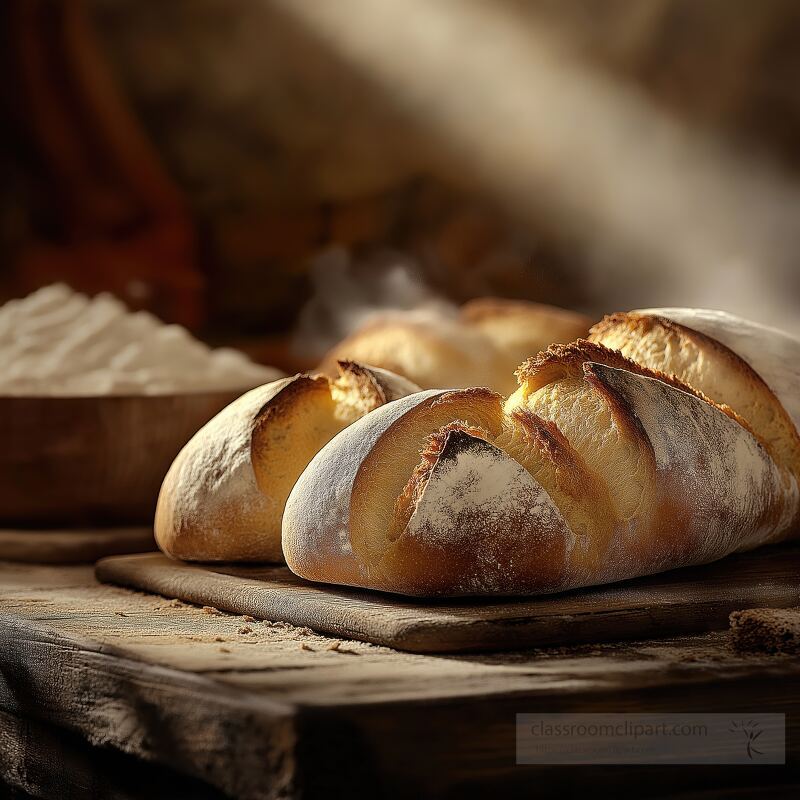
x=678, y=602
x=48, y=762
x=79, y=546
x=160, y=715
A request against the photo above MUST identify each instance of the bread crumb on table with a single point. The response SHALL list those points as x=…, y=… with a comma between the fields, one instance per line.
x=245, y=629
x=224, y=650
x=248, y=618
x=334, y=645
x=766, y=630
x=288, y=628
x=218, y=639
x=211, y=610
x=304, y=646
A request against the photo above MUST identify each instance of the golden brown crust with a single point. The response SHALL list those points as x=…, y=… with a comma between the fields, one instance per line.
x=274, y=415
x=479, y=346
x=477, y=394
x=545, y=436
x=563, y=359
x=559, y=361
x=596, y=470
x=621, y=409
x=482, y=308
x=638, y=324
x=387, y=468
x=431, y=351
x=573, y=477
x=573, y=486
x=364, y=376
x=775, y=429
x=224, y=496
x=200, y=516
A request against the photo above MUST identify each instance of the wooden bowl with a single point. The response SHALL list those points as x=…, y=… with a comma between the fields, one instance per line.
x=69, y=461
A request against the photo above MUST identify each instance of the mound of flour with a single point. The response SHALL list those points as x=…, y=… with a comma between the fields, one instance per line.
x=59, y=342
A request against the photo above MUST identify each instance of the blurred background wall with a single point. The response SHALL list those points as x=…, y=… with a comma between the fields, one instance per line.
x=227, y=162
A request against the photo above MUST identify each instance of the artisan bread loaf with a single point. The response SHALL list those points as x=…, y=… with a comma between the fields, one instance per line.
x=596, y=469
x=223, y=497
x=430, y=350
x=519, y=329
x=480, y=346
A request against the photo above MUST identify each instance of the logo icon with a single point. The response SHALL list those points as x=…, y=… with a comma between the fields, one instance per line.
x=750, y=730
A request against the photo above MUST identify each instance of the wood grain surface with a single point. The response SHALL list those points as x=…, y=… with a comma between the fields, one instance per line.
x=677, y=602
x=77, y=546
x=92, y=461
x=260, y=710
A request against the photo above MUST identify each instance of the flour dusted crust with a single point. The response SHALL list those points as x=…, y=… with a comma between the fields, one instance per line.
x=489, y=524
x=771, y=353
x=481, y=345
x=753, y=369
x=597, y=469
x=717, y=490
x=223, y=497
x=211, y=488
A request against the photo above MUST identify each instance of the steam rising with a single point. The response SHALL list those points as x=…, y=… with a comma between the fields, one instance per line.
x=347, y=295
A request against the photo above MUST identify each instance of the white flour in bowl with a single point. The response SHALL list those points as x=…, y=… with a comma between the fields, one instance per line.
x=59, y=342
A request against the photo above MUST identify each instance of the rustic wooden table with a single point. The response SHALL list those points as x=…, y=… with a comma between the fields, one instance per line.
x=107, y=692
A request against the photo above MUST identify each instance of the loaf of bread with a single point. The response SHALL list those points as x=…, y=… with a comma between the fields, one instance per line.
x=430, y=350
x=519, y=329
x=482, y=345
x=223, y=497
x=597, y=469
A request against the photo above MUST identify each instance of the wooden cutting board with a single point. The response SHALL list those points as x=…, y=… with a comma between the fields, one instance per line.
x=678, y=602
